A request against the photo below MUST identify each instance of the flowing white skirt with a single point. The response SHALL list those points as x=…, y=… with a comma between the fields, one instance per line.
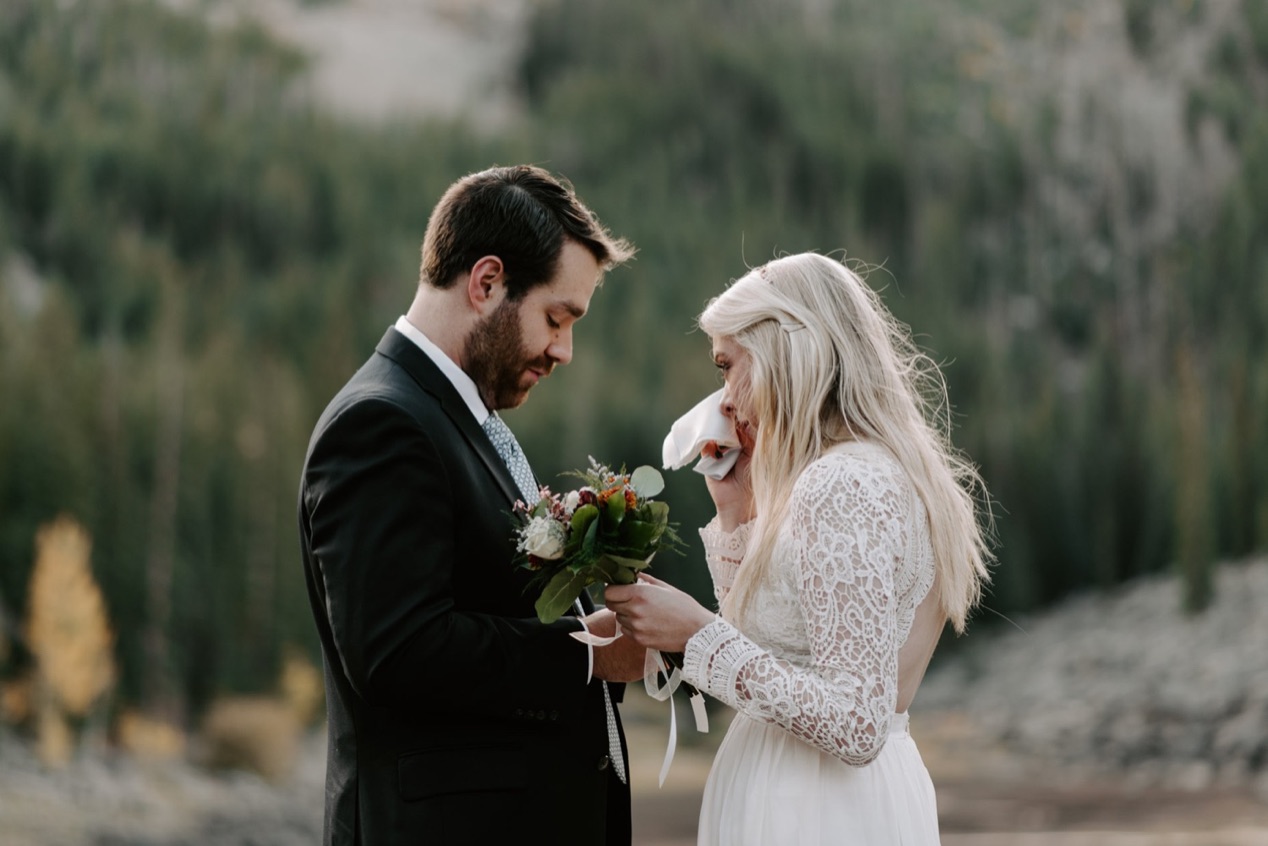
x=767, y=788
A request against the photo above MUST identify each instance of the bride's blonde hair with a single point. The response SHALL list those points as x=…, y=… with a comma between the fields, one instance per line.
x=829, y=363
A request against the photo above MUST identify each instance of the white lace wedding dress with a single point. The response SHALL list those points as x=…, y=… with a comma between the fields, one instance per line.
x=816, y=753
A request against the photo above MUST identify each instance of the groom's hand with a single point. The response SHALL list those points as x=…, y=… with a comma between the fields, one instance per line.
x=601, y=623
x=622, y=659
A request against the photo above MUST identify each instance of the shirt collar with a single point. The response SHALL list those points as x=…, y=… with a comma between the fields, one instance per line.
x=465, y=386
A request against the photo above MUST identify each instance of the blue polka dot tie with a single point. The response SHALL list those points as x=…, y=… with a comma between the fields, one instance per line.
x=512, y=456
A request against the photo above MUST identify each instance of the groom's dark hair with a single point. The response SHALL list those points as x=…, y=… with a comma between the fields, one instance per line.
x=521, y=214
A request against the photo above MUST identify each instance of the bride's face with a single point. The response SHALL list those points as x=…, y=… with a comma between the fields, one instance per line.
x=735, y=365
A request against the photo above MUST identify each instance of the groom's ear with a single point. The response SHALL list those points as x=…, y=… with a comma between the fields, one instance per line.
x=486, y=285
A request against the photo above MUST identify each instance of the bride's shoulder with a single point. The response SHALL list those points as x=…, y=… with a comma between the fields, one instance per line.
x=861, y=455
x=854, y=463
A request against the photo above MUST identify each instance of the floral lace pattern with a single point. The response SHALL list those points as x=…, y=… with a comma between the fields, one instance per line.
x=818, y=654
x=723, y=552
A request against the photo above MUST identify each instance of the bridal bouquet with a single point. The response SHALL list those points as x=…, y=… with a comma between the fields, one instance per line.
x=604, y=532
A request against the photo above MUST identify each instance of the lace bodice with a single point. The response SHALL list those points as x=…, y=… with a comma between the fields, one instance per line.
x=817, y=652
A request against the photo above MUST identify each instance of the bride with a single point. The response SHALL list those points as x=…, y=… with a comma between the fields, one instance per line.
x=847, y=535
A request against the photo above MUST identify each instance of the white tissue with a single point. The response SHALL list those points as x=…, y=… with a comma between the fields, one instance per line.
x=693, y=430
x=717, y=468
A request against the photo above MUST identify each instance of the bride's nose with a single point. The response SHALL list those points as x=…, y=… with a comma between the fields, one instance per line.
x=727, y=406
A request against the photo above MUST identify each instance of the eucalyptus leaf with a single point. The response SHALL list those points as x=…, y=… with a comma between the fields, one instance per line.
x=658, y=512
x=639, y=534
x=647, y=481
x=581, y=520
x=613, y=572
x=591, y=537
x=559, y=594
x=614, y=511
x=634, y=564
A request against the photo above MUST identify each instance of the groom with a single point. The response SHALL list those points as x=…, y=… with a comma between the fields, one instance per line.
x=454, y=715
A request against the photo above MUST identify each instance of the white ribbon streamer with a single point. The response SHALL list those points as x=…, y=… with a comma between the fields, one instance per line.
x=699, y=712
x=591, y=641
x=588, y=639
x=595, y=640
x=653, y=667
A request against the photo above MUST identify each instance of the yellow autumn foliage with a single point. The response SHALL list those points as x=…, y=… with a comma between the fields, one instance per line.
x=301, y=686
x=67, y=628
x=56, y=742
x=15, y=700
x=149, y=739
x=256, y=733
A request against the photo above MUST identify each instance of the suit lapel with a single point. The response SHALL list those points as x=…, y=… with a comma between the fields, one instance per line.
x=430, y=379
x=428, y=376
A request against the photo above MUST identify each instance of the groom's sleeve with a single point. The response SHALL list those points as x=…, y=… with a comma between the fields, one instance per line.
x=381, y=521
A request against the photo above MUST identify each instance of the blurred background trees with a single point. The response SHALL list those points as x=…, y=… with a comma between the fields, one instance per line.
x=1066, y=201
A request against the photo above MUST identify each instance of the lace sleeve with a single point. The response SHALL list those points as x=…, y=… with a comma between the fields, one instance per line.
x=847, y=521
x=723, y=552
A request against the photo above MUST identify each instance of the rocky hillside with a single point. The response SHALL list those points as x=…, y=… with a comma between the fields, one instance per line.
x=1123, y=684
x=394, y=60
x=114, y=799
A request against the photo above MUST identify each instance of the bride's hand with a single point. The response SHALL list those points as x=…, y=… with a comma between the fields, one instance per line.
x=733, y=493
x=655, y=614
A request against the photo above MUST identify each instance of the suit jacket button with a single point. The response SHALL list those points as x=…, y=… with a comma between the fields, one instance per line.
x=604, y=763
x=519, y=712
x=554, y=715
x=541, y=715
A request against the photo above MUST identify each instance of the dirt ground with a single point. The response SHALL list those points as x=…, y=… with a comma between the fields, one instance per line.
x=986, y=797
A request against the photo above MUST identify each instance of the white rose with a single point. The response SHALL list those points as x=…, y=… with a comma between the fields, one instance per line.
x=544, y=538
x=571, y=500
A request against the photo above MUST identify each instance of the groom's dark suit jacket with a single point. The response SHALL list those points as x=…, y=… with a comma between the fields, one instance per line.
x=454, y=715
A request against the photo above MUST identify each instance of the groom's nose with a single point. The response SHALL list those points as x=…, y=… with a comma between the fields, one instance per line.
x=560, y=349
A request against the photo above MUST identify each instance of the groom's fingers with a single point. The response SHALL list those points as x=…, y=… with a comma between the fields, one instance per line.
x=648, y=578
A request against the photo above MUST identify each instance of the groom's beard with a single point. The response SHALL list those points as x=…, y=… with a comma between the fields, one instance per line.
x=497, y=362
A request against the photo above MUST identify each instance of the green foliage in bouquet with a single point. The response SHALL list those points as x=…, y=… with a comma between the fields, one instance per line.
x=604, y=532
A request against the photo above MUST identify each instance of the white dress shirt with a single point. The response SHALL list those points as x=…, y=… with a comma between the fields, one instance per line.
x=456, y=375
